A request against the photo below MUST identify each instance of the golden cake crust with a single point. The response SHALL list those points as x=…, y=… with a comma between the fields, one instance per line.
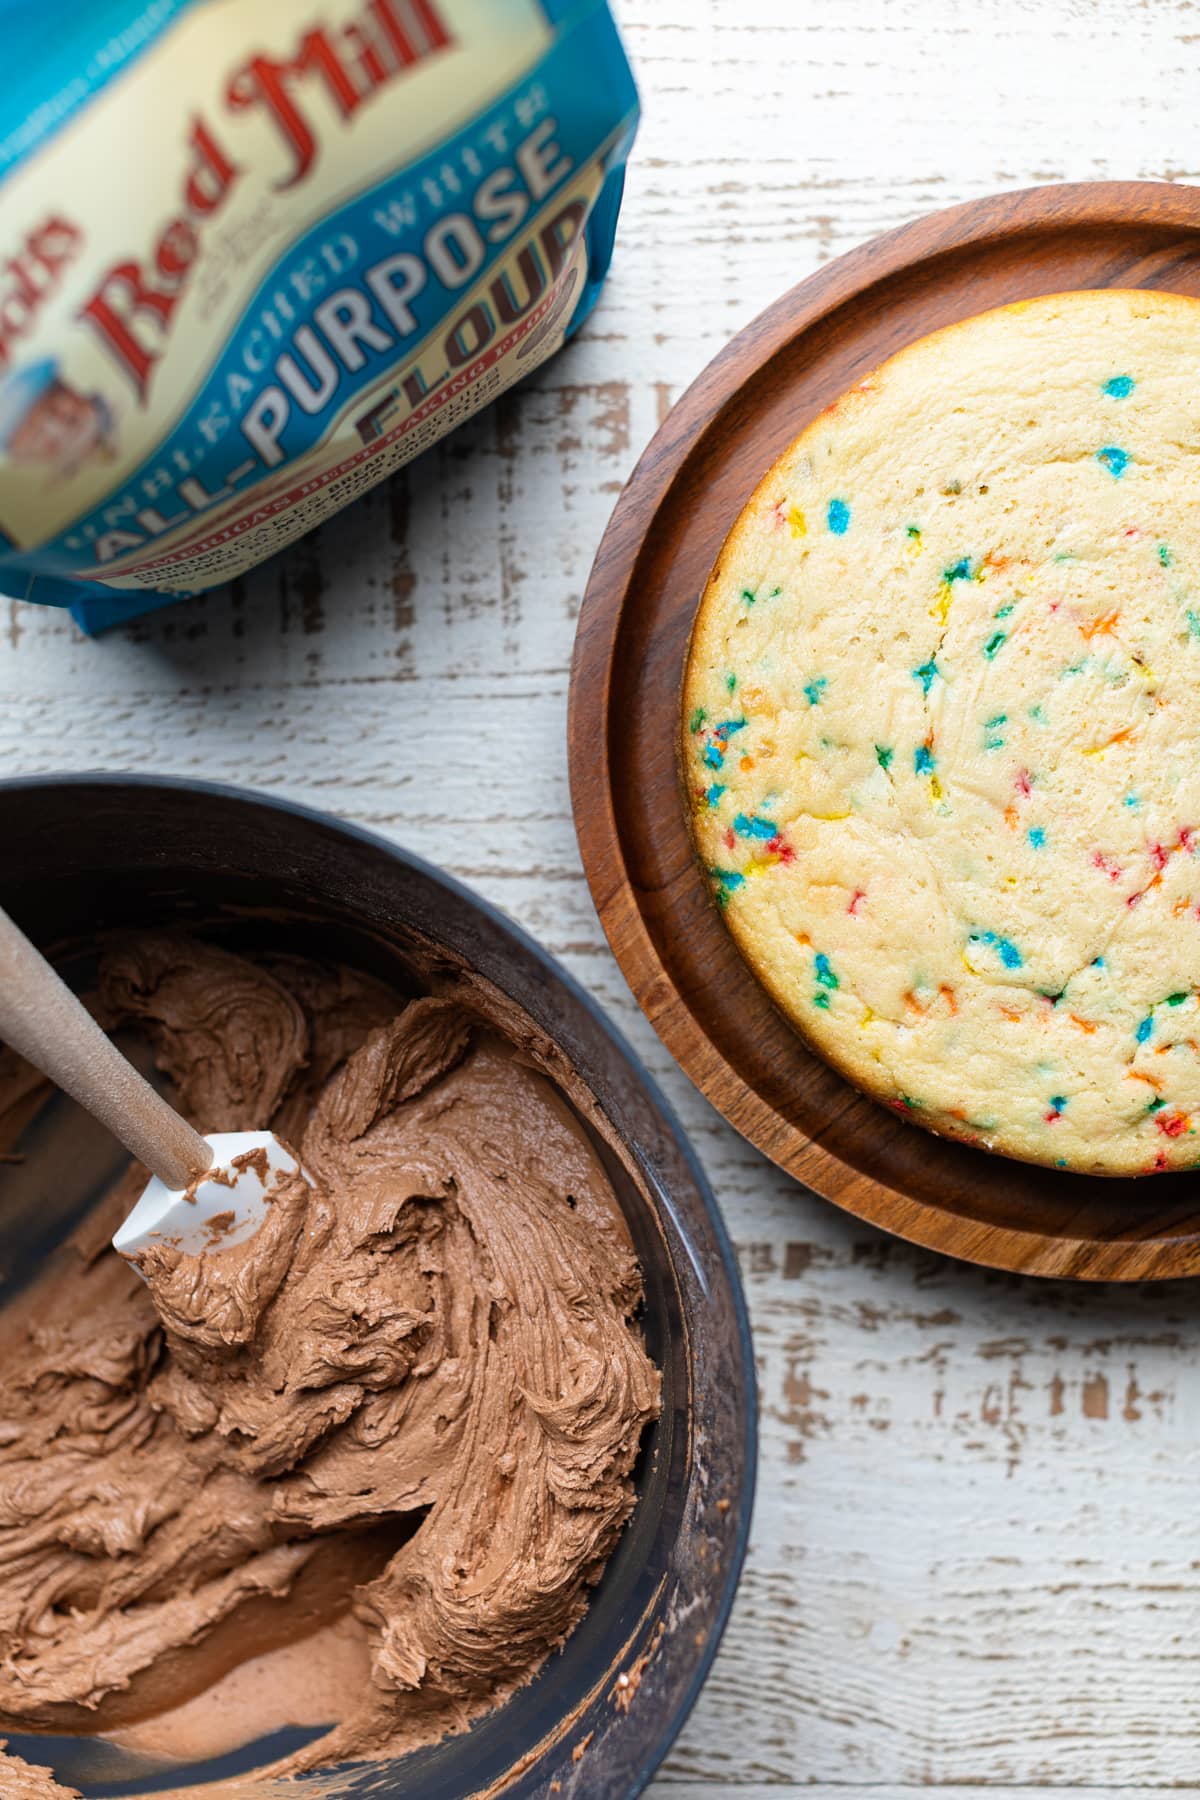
x=941, y=731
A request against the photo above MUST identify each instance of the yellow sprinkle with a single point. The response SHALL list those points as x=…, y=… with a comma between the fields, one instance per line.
x=837, y=815
x=1010, y=881
x=968, y=966
x=940, y=610
x=936, y=791
x=797, y=522
x=868, y=1015
x=756, y=866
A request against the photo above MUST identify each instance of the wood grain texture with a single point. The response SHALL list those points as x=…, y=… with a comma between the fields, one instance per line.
x=975, y=1558
x=653, y=898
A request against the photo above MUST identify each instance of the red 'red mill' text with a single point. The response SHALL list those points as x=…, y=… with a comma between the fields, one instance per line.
x=132, y=307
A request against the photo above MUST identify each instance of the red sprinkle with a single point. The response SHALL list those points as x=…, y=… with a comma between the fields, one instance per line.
x=1172, y=1125
x=859, y=894
x=783, y=851
x=728, y=839
x=1158, y=856
x=1023, y=784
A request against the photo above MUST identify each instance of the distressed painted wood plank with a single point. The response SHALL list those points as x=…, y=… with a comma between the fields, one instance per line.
x=975, y=1560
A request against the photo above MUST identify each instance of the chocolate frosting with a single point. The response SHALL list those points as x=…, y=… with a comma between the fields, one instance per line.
x=418, y=1391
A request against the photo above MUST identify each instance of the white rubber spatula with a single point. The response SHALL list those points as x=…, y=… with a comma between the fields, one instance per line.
x=206, y=1192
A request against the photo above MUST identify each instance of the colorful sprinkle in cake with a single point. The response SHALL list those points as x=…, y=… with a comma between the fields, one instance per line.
x=941, y=732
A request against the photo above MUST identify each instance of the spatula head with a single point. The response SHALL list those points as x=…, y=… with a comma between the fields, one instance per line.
x=225, y=1207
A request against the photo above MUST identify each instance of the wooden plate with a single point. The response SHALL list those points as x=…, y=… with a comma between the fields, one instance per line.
x=653, y=901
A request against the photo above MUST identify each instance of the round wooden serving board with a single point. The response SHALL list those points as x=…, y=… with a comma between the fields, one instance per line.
x=653, y=899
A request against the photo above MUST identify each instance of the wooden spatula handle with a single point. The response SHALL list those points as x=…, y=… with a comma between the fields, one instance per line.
x=42, y=1019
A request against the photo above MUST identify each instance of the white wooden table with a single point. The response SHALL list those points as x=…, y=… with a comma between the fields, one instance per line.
x=977, y=1549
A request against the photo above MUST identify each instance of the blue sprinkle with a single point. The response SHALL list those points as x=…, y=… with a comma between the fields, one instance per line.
x=959, y=571
x=824, y=971
x=1132, y=800
x=814, y=689
x=754, y=828
x=923, y=760
x=714, y=755
x=1097, y=962
x=1119, y=387
x=1004, y=947
x=1114, y=459
x=1058, y=1101
x=837, y=517
x=726, y=880
x=715, y=792
x=1145, y=1028
x=1037, y=837
x=728, y=726
x=925, y=674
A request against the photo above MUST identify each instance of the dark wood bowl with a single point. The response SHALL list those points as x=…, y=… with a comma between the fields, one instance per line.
x=653, y=901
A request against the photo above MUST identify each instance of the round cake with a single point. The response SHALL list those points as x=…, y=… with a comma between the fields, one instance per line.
x=941, y=732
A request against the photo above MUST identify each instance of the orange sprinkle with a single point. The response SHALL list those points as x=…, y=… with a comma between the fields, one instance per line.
x=1150, y=1080
x=1083, y=1024
x=802, y=937
x=1010, y=816
x=914, y=1004
x=746, y=762
x=1104, y=627
x=947, y=994
x=1010, y=1012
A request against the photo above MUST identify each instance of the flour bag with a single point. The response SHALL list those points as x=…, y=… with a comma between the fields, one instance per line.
x=256, y=254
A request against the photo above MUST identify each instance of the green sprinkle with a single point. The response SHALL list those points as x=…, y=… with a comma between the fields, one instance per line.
x=814, y=689
x=1164, y=555
x=821, y=1000
x=1156, y=1105
x=1002, y=612
x=697, y=719
x=914, y=531
x=824, y=971
x=1176, y=999
x=991, y=724
x=994, y=642
x=883, y=755
x=749, y=596
x=1193, y=623
x=731, y=681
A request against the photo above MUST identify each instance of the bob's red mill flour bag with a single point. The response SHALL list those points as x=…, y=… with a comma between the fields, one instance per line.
x=255, y=254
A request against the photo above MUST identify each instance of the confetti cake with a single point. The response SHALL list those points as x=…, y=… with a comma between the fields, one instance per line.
x=941, y=732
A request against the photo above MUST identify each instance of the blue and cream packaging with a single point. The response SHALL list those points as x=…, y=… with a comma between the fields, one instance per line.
x=255, y=255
